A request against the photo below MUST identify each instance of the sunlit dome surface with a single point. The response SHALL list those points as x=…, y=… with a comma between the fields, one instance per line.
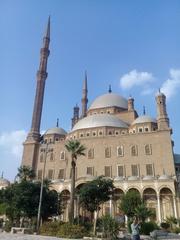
x=99, y=120
x=109, y=100
x=144, y=119
x=56, y=130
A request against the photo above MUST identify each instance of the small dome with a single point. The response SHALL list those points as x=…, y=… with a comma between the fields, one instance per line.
x=164, y=177
x=160, y=94
x=56, y=130
x=99, y=120
x=4, y=182
x=109, y=100
x=144, y=119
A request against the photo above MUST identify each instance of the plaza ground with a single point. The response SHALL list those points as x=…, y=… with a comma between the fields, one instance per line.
x=9, y=236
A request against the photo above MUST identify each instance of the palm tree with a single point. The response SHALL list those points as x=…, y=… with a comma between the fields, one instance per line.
x=142, y=212
x=25, y=173
x=76, y=149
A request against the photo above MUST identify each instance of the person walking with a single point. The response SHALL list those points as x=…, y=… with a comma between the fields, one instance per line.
x=135, y=227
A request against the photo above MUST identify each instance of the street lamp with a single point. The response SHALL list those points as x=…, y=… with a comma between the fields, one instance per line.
x=41, y=190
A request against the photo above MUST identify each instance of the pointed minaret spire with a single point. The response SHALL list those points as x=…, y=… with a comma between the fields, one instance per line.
x=47, y=35
x=84, y=99
x=110, y=91
x=57, y=123
x=41, y=78
x=144, y=110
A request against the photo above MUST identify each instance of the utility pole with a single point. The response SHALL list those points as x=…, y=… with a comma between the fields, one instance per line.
x=41, y=191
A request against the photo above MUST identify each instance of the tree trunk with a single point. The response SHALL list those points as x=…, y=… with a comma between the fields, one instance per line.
x=95, y=222
x=71, y=210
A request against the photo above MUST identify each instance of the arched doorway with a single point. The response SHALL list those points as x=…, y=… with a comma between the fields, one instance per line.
x=133, y=190
x=150, y=199
x=65, y=197
x=166, y=202
x=117, y=196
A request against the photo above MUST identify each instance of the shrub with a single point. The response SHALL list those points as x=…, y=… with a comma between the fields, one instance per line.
x=148, y=227
x=50, y=228
x=176, y=230
x=7, y=226
x=165, y=225
x=109, y=227
x=68, y=230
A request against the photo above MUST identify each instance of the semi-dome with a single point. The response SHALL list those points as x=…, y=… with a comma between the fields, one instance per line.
x=144, y=119
x=99, y=120
x=56, y=130
x=109, y=100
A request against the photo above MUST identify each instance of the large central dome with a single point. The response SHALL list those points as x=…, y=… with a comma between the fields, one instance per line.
x=109, y=100
x=99, y=120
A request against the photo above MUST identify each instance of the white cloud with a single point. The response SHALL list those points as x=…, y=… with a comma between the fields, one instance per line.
x=135, y=78
x=12, y=142
x=171, y=85
x=11, y=152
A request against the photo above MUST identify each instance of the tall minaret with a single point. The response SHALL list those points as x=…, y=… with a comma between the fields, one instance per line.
x=32, y=142
x=162, y=116
x=41, y=79
x=75, y=116
x=84, y=99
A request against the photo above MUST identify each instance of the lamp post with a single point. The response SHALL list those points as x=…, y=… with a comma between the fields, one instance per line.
x=41, y=191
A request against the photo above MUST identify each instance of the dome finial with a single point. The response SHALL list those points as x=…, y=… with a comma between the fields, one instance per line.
x=144, y=110
x=110, y=90
x=57, y=123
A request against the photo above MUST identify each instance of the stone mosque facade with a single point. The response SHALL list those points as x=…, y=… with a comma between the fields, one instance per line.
x=135, y=151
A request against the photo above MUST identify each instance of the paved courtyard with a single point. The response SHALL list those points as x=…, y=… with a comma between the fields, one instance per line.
x=9, y=236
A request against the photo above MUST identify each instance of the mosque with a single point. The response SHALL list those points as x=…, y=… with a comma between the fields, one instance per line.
x=135, y=151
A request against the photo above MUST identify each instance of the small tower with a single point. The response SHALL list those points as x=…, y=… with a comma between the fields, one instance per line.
x=31, y=144
x=110, y=90
x=131, y=104
x=84, y=99
x=75, y=116
x=162, y=117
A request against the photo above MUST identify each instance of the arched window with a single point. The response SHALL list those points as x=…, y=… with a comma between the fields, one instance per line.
x=42, y=157
x=134, y=150
x=91, y=153
x=120, y=151
x=148, y=149
x=51, y=156
x=107, y=152
x=62, y=155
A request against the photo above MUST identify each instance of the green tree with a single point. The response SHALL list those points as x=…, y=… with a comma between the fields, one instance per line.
x=94, y=193
x=130, y=201
x=76, y=149
x=22, y=201
x=25, y=173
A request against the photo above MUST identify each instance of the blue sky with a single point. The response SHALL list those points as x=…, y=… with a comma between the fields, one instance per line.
x=132, y=45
